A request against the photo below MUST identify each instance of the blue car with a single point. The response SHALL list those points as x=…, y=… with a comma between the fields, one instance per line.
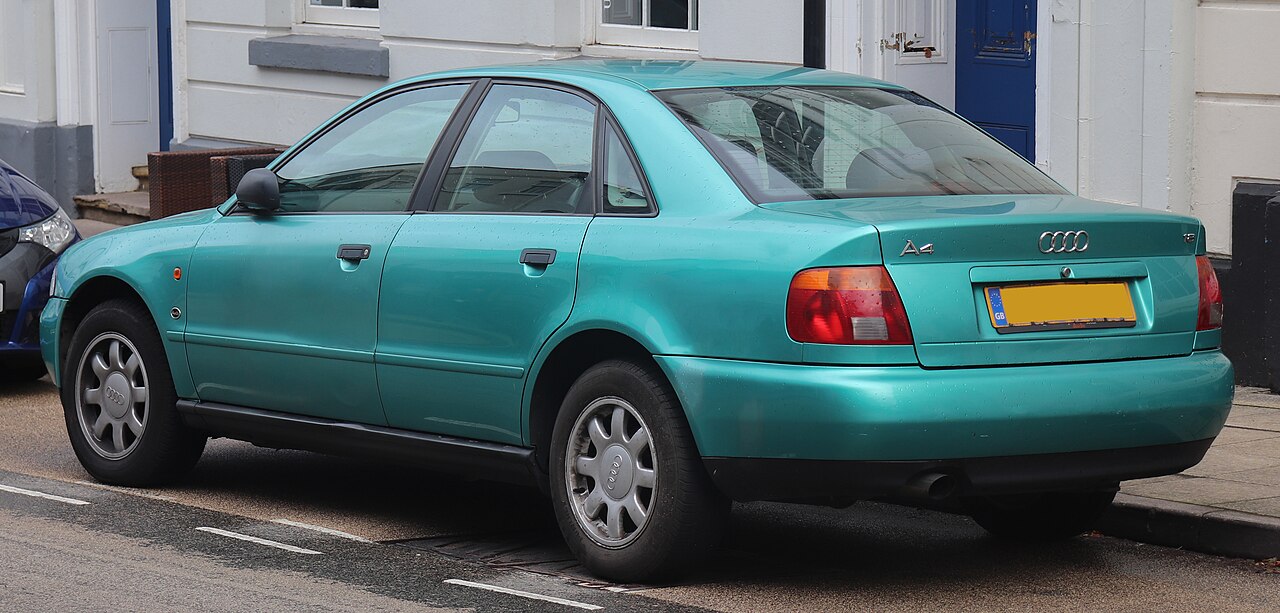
x=34, y=231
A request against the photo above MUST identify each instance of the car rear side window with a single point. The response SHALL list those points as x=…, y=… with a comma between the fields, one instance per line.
x=528, y=150
x=624, y=191
x=800, y=143
x=371, y=160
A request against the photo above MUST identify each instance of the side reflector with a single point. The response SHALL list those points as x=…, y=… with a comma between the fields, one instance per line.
x=846, y=306
x=1210, y=312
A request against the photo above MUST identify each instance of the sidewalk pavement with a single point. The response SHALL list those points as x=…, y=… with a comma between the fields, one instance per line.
x=1227, y=504
x=90, y=227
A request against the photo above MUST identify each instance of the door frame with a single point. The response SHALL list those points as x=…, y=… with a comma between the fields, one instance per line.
x=77, y=62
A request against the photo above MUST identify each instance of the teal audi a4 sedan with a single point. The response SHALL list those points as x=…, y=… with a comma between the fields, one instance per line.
x=652, y=288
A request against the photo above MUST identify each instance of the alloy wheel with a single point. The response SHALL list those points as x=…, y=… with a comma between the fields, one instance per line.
x=112, y=400
x=611, y=472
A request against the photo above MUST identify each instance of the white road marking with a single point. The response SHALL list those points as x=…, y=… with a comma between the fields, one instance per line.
x=322, y=529
x=259, y=541
x=35, y=494
x=530, y=595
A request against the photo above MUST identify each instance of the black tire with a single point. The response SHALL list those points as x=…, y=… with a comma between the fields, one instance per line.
x=22, y=370
x=1048, y=516
x=167, y=449
x=687, y=516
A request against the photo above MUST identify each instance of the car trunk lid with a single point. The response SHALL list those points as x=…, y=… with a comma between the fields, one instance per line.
x=946, y=253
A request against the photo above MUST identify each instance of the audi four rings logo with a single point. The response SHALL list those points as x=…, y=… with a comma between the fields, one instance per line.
x=1075, y=241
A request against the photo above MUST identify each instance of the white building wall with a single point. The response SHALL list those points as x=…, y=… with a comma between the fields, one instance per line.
x=752, y=30
x=1237, y=108
x=26, y=61
x=1113, y=121
x=222, y=97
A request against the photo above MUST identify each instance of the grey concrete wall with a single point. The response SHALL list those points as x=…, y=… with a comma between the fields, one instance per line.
x=58, y=158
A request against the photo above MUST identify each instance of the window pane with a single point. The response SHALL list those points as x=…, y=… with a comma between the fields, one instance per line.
x=623, y=12
x=528, y=150
x=623, y=190
x=789, y=143
x=326, y=2
x=669, y=14
x=370, y=161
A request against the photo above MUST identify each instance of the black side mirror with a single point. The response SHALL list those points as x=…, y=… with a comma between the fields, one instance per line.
x=259, y=190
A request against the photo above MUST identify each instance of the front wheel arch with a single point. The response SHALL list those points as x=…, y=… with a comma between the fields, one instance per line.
x=88, y=295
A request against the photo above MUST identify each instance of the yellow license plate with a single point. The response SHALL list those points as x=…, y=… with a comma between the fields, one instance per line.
x=1060, y=306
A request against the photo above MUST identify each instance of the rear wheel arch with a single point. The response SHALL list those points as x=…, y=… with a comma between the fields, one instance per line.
x=571, y=357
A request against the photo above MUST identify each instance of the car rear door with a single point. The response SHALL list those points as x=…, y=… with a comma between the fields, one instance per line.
x=476, y=282
x=282, y=313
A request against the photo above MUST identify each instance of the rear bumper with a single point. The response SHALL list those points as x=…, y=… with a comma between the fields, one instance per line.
x=745, y=479
x=908, y=413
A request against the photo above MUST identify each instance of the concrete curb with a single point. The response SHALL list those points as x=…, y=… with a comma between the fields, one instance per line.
x=1188, y=526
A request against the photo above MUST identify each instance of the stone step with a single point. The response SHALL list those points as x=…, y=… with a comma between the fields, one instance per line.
x=143, y=176
x=123, y=208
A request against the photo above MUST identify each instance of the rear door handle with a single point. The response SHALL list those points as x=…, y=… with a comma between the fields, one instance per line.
x=353, y=253
x=538, y=257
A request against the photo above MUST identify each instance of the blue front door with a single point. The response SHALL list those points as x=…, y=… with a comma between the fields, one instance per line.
x=996, y=69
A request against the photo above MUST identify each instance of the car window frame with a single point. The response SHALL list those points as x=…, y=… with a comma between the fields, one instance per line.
x=427, y=198
x=603, y=146
x=468, y=97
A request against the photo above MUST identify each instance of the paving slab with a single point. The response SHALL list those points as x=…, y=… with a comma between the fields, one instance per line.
x=1261, y=506
x=1261, y=476
x=1232, y=435
x=1201, y=491
x=1257, y=396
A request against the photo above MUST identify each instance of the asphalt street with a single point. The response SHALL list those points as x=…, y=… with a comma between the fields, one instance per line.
x=257, y=529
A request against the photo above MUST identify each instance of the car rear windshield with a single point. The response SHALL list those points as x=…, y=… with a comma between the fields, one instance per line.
x=800, y=143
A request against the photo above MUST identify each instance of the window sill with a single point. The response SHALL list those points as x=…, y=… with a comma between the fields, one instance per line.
x=351, y=56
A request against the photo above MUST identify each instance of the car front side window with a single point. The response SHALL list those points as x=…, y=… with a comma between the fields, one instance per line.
x=528, y=150
x=370, y=161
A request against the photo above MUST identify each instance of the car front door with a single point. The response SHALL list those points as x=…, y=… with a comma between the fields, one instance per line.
x=282, y=309
x=476, y=284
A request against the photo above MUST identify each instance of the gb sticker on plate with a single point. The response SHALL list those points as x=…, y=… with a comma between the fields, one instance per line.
x=997, y=307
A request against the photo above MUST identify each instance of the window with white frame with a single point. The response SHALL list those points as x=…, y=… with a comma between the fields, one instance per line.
x=360, y=13
x=670, y=24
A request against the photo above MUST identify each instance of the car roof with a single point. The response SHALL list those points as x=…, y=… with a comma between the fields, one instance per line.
x=669, y=74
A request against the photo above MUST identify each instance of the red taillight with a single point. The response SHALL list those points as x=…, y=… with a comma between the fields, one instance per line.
x=1210, y=317
x=846, y=306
